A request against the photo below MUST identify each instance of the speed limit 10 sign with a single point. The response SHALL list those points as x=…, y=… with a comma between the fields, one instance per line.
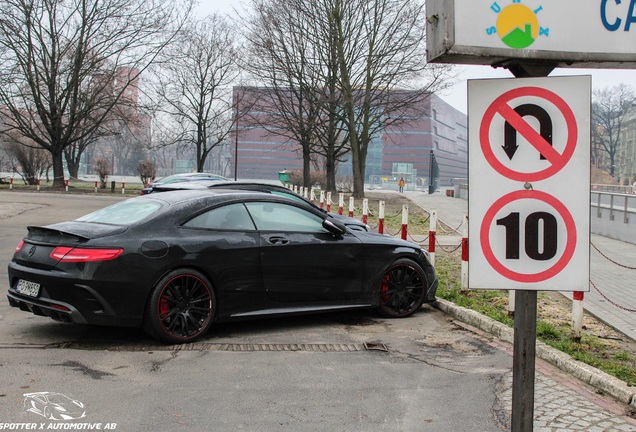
x=529, y=183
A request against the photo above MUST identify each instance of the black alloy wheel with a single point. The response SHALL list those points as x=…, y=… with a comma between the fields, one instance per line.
x=181, y=307
x=402, y=289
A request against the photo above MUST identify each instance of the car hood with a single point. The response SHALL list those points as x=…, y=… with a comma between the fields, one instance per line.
x=375, y=238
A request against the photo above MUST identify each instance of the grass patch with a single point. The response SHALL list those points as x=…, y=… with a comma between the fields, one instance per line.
x=594, y=350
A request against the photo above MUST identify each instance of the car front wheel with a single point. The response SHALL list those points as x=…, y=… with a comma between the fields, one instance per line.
x=181, y=307
x=402, y=289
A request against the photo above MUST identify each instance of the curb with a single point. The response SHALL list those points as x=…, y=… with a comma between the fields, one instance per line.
x=596, y=378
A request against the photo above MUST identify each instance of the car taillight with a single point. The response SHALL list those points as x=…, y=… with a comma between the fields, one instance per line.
x=18, y=248
x=69, y=254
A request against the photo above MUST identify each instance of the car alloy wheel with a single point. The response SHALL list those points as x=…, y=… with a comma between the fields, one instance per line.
x=181, y=307
x=402, y=289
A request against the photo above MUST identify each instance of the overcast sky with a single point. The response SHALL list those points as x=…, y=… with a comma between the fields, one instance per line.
x=457, y=96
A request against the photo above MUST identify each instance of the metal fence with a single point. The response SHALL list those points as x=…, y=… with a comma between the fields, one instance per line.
x=613, y=215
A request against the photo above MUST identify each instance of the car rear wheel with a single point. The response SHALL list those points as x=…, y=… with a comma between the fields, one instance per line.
x=181, y=307
x=402, y=289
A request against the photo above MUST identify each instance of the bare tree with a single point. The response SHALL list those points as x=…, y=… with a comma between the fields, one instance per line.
x=147, y=171
x=195, y=85
x=350, y=68
x=289, y=51
x=64, y=64
x=610, y=106
x=380, y=46
x=102, y=169
x=34, y=162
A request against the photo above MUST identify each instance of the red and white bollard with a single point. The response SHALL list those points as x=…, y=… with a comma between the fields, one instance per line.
x=95, y=186
x=340, y=203
x=328, y=201
x=365, y=211
x=11, y=183
x=577, y=313
x=352, y=206
x=38, y=184
x=405, y=221
x=305, y=192
x=295, y=189
x=511, y=302
x=464, y=268
x=322, y=199
x=312, y=195
x=432, y=230
x=123, y=188
x=66, y=185
x=381, y=218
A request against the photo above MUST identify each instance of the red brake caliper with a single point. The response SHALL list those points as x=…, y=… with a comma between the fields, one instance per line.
x=384, y=289
x=164, y=306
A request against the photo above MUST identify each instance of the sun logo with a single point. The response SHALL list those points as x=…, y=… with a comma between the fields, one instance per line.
x=517, y=25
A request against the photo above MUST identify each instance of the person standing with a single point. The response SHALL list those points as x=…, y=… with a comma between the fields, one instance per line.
x=401, y=185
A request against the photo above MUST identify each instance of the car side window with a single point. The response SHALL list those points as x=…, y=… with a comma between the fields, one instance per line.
x=269, y=216
x=228, y=217
x=289, y=195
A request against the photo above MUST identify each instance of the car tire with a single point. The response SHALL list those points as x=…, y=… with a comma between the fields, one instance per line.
x=181, y=307
x=402, y=289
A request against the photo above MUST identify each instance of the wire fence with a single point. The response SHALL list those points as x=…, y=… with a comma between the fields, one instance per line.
x=600, y=292
x=444, y=230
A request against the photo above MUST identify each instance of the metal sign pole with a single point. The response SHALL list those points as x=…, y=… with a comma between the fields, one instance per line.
x=525, y=333
x=523, y=360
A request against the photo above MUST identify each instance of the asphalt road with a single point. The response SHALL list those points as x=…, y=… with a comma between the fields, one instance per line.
x=305, y=373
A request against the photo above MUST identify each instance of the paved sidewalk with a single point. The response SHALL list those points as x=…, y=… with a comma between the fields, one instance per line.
x=612, y=296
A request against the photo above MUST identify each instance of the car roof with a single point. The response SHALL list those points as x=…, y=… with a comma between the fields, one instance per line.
x=216, y=195
x=190, y=177
x=220, y=184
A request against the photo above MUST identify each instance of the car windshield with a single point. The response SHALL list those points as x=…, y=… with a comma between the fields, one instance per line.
x=123, y=213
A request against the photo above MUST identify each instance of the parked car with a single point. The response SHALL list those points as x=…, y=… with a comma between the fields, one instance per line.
x=175, y=263
x=259, y=187
x=180, y=178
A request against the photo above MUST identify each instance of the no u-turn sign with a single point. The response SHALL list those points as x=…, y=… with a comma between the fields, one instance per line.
x=529, y=183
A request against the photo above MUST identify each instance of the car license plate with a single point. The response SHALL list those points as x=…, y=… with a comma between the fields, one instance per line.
x=31, y=289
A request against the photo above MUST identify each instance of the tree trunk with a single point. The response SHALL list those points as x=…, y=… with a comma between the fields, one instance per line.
x=306, y=165
x=58, y=169
x=73, y=165
x=330, y=168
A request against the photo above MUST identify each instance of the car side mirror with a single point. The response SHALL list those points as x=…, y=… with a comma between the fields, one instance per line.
x=334, y=226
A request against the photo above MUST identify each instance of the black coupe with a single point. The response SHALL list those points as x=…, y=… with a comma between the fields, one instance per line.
x=176, y=262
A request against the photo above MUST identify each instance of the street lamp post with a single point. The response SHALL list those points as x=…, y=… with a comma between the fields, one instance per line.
x=236, y=139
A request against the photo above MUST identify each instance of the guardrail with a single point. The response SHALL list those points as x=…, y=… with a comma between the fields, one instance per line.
x=613, y=188
x=613, y=215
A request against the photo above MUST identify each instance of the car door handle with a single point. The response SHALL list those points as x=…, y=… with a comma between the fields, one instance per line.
x=278, y=240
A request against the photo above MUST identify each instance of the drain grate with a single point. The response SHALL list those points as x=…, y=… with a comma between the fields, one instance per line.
x=202, y=346
x=270, y=347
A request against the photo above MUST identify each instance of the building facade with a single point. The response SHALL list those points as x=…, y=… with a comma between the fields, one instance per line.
x=626, y=154
x=404, y=150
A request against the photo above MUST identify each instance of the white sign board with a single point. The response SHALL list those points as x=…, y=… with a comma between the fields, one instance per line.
x=529, y=183
x=570, y=33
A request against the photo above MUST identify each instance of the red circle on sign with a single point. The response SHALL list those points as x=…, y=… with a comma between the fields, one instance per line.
x=501, y=104
x=528, y=277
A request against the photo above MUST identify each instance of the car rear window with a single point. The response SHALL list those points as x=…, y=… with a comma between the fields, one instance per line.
x=123, y=213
